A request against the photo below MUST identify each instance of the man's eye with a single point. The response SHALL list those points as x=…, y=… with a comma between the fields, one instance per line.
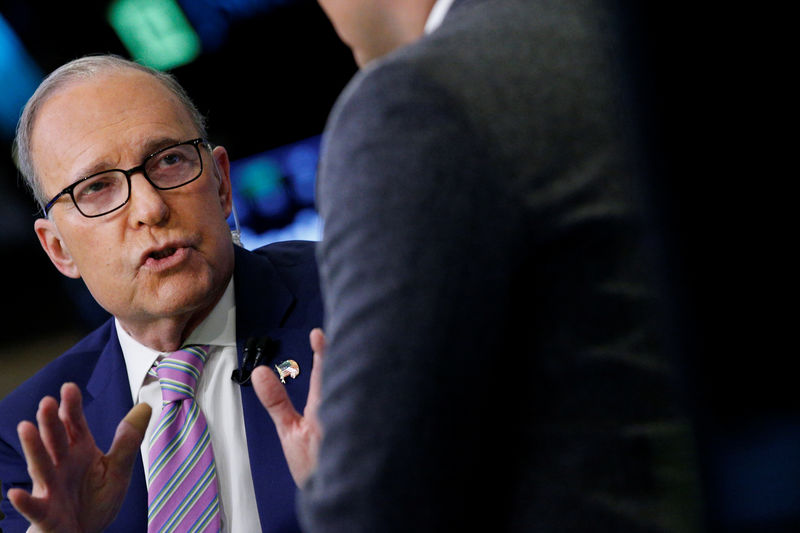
x=96, y=187
x=170, y=159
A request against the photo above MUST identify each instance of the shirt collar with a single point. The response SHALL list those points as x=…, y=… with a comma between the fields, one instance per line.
x=437, y=14
x=218, y=328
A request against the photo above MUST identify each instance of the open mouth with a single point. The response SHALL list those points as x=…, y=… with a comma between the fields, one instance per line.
x=161, y=254
x=168, y=256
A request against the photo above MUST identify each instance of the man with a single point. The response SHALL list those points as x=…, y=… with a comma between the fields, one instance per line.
x=494, y=360
x=135, y=202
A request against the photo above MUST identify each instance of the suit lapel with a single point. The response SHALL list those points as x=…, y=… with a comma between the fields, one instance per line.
x=107, y=399
x=263, y=303
x=260, y=294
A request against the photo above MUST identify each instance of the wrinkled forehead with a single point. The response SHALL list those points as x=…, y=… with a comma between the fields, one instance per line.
x=104, y=120
x=107, y=99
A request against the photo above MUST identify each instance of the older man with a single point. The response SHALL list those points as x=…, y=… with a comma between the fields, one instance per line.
x=135, y=201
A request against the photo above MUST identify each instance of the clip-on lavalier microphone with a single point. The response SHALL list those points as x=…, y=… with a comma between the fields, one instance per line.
x=255, y=352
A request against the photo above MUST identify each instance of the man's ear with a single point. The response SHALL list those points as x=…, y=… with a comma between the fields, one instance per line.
x=54, y=247
x=222, y=169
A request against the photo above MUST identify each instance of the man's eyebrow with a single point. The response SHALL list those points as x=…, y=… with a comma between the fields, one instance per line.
x=156, y=144
x=147, y=148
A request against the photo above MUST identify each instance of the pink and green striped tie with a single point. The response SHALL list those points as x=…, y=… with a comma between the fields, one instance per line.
x=182, y=480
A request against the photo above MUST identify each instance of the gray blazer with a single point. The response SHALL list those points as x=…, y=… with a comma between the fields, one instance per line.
x=495, y=360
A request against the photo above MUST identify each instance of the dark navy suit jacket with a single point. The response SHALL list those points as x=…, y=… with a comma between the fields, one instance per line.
x=277, y=295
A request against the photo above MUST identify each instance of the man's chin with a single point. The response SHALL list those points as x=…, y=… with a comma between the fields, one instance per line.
x=173, y=296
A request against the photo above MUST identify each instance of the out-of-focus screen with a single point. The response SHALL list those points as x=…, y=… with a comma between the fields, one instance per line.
x=273, y=194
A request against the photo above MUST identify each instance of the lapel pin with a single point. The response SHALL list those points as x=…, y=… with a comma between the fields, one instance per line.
x=288, y=368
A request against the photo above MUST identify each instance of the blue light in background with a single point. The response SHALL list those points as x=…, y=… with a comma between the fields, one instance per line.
x=273, y=193
x=19, y=77
x=211, y=19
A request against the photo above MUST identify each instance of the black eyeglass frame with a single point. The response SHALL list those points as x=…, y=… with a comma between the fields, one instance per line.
x=128, y=173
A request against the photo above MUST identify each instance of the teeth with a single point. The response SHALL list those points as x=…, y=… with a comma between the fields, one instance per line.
x=163, y=253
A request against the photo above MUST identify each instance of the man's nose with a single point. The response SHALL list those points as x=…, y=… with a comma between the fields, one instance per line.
x=147, y=203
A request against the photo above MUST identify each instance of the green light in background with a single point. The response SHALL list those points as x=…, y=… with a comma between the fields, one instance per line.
x=155, y=32
x=260, y=178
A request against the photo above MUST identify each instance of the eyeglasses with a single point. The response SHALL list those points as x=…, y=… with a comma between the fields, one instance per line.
x=107, y=191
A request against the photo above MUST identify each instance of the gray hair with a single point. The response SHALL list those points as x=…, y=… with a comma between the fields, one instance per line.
x=77, y=70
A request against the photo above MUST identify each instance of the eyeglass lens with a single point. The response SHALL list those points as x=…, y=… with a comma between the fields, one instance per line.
x=167, y=169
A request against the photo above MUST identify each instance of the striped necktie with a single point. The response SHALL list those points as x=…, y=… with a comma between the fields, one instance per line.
x=182, y=480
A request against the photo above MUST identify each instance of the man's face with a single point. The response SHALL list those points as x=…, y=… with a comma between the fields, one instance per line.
x=165, y=254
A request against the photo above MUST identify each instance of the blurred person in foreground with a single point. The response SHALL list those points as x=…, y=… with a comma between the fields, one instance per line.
x=496, y=357
x=135, y=201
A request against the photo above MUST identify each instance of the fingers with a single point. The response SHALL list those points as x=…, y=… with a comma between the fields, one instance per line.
x=128, y=439
x=53, y=434
x=71, y=414
x=32, y=508
x=64, y=425
x=317, y=340
x=50, y=445
x=40, y=464
x=273, y=397
x=318, y=344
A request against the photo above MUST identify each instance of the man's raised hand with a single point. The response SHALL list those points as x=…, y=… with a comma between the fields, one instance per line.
x=300, y=435
x=76, y=488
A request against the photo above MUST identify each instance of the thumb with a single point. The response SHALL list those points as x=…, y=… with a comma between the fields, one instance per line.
x=128, y=439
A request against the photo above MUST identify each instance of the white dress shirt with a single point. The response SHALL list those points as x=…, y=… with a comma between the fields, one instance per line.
x=436, y=16
x=221, y=402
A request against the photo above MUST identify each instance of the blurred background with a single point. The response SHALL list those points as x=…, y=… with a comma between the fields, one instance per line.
x=266, y=73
